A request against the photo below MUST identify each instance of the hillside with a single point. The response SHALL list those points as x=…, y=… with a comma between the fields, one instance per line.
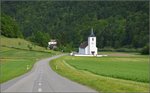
x=22, y=44
x=16, y=58
x=19, y=43
x=116, y=24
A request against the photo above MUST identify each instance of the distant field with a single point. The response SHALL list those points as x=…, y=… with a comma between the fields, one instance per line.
x=129, y=68
x=127, y=73
x=15, y=57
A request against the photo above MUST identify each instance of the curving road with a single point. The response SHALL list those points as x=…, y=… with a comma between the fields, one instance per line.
x=43, y=79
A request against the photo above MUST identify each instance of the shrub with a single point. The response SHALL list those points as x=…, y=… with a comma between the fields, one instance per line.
x=19, y=43
x=107, y=49
x=145, y=50
x=30, y=47
x=123, y=49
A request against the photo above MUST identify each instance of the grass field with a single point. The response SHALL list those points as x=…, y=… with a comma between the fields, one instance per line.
x=125, y=73
x=18, y=43
x=15, y=57
x=129, y=68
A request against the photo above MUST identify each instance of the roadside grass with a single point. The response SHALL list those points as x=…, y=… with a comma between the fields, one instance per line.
x=129, y=68
x=77, y=70
x=11, y=68
x=14, y=62
x=15, y=57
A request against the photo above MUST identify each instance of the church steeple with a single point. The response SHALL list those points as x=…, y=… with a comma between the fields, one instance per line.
x=92, y=33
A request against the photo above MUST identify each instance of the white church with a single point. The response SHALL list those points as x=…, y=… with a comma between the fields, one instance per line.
x=88, y=47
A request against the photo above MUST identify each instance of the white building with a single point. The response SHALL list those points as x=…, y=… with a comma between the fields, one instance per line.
x=89, y=47
x=52, y=44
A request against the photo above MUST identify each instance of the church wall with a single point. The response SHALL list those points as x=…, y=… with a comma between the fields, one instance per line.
x=92, y=41
x=86, y=50
x=92, y=45
x=81, y=51
x=92, y=49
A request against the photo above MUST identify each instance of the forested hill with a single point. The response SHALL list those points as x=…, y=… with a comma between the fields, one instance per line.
x=116, y=23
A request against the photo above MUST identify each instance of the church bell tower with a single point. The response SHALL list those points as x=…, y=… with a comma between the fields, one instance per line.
x=92, y=49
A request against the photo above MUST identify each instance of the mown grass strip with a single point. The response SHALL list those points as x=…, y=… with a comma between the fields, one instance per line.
x=129, y=68
x=97, y=82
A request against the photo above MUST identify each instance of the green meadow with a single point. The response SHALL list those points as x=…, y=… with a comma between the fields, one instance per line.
x=15, y=57
x=128, y=68
x=118, y=72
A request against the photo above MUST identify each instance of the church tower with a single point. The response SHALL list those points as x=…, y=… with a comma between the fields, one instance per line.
x=92, y=49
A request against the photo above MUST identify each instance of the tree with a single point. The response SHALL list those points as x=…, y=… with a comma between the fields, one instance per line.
x=9, y=27
x=145, y=50
x=116, y=24
x=41, y=38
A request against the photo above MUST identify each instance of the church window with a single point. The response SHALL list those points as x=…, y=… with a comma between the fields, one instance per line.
x=92, y=39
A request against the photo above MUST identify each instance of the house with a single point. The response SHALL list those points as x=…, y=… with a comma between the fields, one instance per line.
x=52, y=44
x=89, y=47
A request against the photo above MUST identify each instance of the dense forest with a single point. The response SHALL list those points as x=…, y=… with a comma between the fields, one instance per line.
x=116, y=24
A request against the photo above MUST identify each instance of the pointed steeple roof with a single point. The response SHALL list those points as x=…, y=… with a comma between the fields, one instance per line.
x=92, y=33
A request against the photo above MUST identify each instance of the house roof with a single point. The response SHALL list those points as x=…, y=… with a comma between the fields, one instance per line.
x=53, y=40
x=84, y=44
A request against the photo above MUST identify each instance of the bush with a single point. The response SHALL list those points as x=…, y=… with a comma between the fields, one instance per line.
x=145, y=50
x=127, y=50
x=107, y=49
x=30, y=47
x=19, y=43
x=123, y=49
x=67, y=48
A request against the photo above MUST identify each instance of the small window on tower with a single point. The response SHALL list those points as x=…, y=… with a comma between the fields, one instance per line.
x=92, y=39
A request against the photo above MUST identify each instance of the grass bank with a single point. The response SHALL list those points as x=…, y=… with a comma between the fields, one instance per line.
x=15, y=57
x=106, y=74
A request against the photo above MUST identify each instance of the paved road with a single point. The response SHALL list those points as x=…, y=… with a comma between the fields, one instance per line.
x=43, y=79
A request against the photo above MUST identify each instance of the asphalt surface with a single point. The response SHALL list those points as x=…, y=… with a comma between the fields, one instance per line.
x=43, y=79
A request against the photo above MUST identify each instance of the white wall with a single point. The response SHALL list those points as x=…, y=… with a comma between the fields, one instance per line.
x=92, y=45
x=81, y=51
x=86, y=50
x=82, y=55
x=49, y=43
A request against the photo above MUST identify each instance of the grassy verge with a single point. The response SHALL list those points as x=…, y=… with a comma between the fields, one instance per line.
x=15, y=57
x=14, y=62
x=11, y=68
x=98, y=82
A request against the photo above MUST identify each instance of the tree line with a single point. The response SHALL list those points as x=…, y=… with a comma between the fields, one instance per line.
x=116, y=24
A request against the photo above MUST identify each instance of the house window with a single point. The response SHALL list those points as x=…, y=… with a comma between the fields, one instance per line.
x=92, y=39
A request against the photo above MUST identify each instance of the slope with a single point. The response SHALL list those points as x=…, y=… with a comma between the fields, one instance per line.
x=16, y=58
